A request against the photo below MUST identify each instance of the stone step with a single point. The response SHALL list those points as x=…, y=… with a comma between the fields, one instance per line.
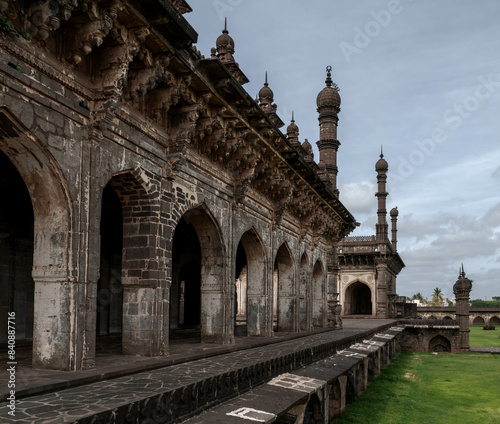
x=181, y=390
x=286, y=397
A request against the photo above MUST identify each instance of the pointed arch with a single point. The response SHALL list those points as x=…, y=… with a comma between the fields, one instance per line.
x=439, y=344
x=201, y=287
x=358, y=299
x=284, y=283
x=258, y=316
x=478, y=321
x=318, y=287
x=54, y=342
x=494, y=320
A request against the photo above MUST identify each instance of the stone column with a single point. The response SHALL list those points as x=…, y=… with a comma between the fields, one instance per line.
x=334, y=308
x=462, y=289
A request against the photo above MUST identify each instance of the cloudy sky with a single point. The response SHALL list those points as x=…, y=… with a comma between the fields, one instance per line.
x=421, y=78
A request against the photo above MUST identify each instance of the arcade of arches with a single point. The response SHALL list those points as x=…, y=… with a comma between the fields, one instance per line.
x=155, y=199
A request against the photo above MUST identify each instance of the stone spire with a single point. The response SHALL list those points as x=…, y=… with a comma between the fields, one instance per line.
x=292, y=133
x=382, y=228
x=461, y=290
x=328, y=103
x=394, y=220
x=224, y=51
x=266, y=99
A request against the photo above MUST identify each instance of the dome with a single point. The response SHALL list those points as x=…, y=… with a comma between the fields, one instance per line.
x=224, y=39
x=329, y=96
x=463, y=283
x=394, y=212
x=307, y=146
x=266, y=92
x=292, y=128
x=381, y=164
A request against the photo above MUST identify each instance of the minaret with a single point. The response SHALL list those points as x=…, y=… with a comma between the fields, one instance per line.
x=462, y=289
x=328, y=102
x=394, y=220
x=382, y=228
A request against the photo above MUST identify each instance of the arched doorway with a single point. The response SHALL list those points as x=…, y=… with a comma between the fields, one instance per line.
x=16, y=253
x=55, y=344
x=284, y=270
x=185, y=291
x=439, y=344
x=109, y=286
x=478, y=321
x=494, y=321
x=303, y=293
x=358, y=299
x=254, y=262
x=197, y=293
x=318, y=295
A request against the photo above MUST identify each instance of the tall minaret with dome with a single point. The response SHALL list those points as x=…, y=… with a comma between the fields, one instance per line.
x=328, y=103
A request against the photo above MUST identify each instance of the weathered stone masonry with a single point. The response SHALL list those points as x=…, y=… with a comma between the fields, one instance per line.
x=129, y=143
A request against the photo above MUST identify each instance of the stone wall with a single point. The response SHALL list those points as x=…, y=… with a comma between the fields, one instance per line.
x=124, y=136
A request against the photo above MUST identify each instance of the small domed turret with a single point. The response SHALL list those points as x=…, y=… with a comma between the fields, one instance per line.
x=394, y=212
x=463, y=284
x=292, y=129
x=225, y=46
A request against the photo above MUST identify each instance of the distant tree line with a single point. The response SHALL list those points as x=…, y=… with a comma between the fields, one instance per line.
x=437, y=299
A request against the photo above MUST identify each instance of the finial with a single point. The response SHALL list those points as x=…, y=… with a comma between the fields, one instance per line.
x=225, y=31
x=381, y=151
x=292, y=117
x=265, y=83
x=463, y=272
x=329, y=81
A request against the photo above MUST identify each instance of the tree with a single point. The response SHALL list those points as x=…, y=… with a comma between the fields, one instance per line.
x=437, y=297
x=419, y=297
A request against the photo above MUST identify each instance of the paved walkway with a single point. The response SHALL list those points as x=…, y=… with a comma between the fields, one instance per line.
x=485, y=349
x=188, y=365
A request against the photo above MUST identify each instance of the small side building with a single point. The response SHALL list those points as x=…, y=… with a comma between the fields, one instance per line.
x=369, y=265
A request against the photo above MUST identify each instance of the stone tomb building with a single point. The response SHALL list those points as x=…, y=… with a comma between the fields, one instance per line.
x=149, y=193
x=369, y=265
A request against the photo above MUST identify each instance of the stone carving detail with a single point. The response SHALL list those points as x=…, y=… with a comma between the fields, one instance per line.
x=45, y=16
x=83, y=38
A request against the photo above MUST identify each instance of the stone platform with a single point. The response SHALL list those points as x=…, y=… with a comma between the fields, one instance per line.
x=193, y=377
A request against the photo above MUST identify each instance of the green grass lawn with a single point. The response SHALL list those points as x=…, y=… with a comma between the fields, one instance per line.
x=480, y=337
x=422, y=388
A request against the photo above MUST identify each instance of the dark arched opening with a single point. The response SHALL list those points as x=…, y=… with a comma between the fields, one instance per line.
x=313, y=411
x=283, y=266
x=494, y=321
x=478, y=321
x=16, y=253
x=109, y=286
x=185, y=292
x=359, y=299
x=439, y=344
